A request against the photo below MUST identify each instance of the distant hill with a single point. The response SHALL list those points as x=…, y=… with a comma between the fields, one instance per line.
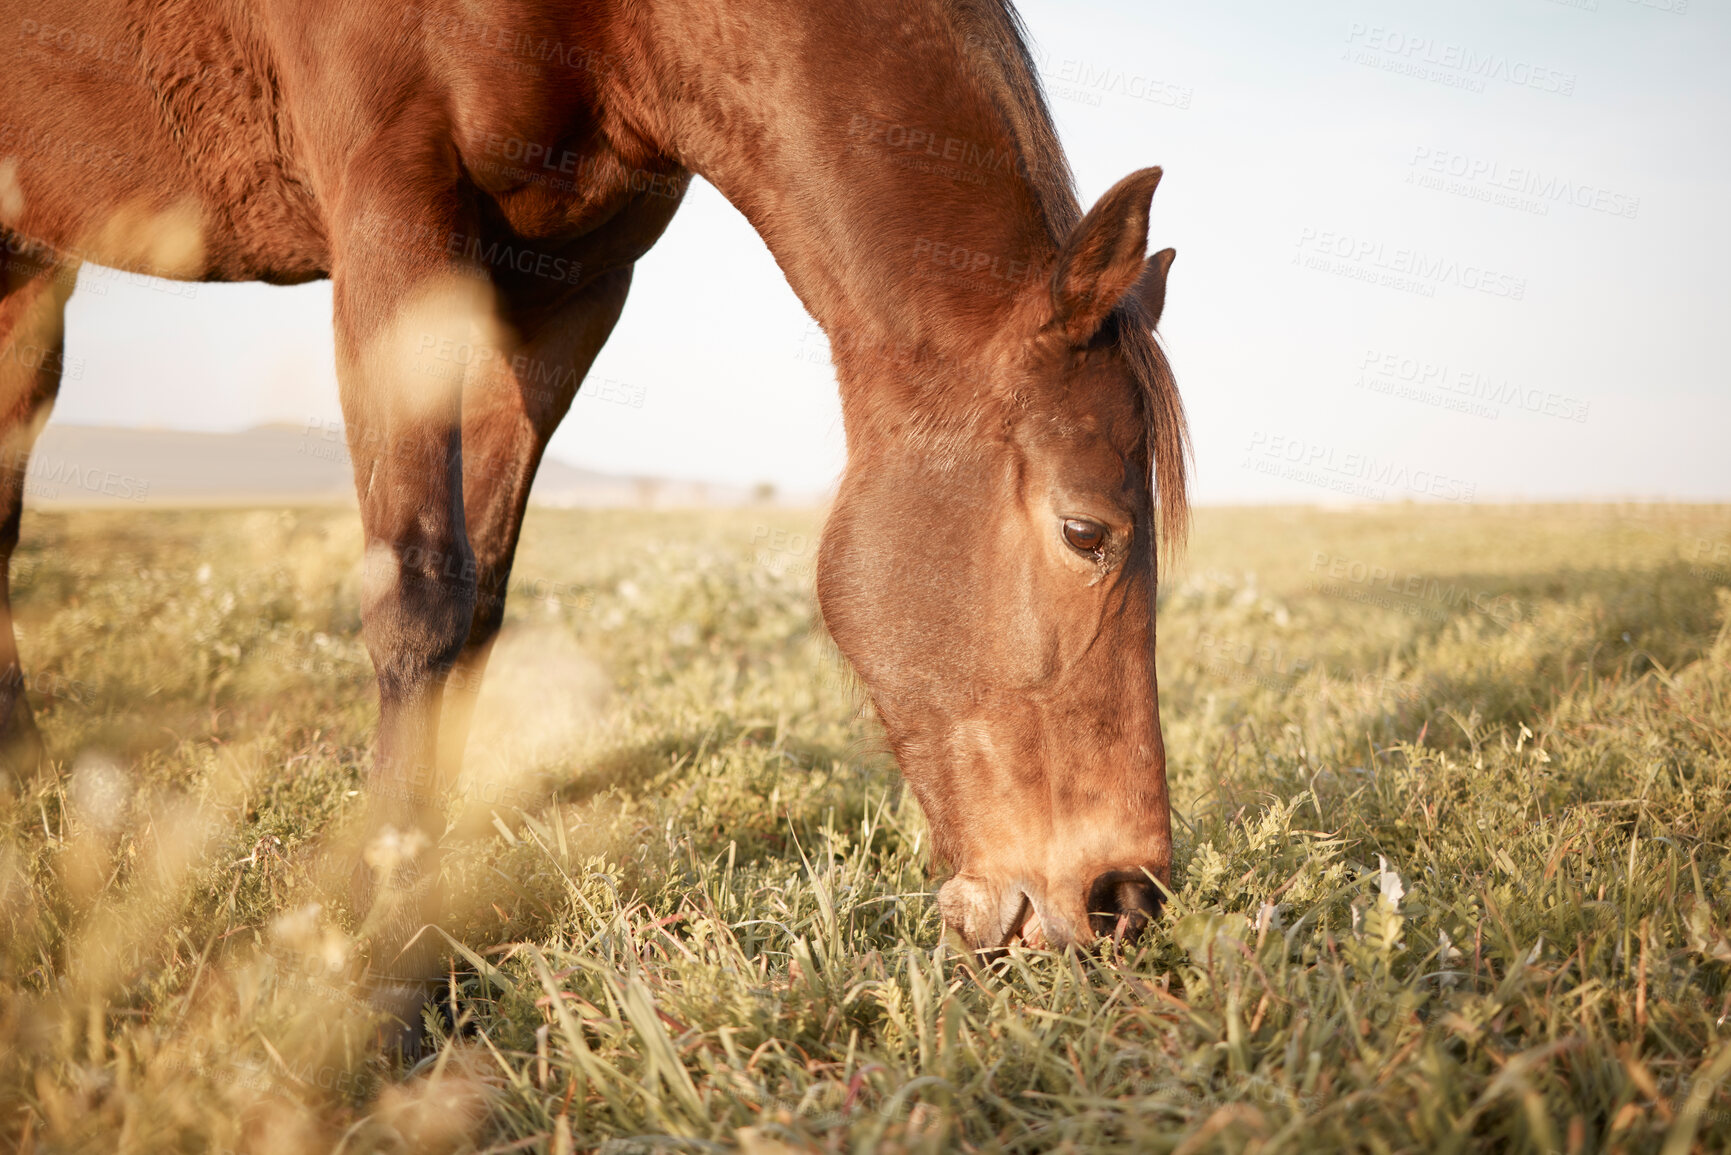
x=84, y=465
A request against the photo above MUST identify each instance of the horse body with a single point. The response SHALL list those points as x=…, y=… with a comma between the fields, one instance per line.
x=486, y=176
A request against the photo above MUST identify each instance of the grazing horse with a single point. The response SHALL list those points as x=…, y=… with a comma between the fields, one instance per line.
x=486, y=172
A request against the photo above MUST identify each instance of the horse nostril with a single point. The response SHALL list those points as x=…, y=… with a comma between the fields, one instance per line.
x=1121, y=903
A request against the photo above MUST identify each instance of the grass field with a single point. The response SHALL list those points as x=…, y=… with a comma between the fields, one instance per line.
x=1453, y=794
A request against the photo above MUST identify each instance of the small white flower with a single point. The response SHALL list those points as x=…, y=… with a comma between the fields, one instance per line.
x=1268, y=918
x=1389, y=882
x=1446, y=949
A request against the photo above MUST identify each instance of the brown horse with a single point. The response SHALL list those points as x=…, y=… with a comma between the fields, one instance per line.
x=487, y=173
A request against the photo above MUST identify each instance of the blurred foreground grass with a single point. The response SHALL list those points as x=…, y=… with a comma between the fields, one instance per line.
x=1454, y=794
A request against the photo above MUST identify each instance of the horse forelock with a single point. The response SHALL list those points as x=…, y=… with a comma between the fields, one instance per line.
x=1166, y=432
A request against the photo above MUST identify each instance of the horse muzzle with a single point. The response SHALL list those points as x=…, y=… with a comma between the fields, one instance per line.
x=995, y=914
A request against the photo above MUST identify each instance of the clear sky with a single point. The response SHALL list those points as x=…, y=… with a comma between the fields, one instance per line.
x=1456, y=251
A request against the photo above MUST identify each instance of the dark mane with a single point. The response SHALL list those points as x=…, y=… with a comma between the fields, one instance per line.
x=992, y=32
x=995, y=47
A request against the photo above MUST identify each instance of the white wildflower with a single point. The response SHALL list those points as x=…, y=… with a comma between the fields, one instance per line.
x=1389, y=882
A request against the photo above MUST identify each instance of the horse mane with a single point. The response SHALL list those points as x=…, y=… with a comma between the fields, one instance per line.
x=992, y=31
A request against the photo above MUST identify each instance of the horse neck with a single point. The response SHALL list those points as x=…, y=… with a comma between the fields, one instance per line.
x=872, y=146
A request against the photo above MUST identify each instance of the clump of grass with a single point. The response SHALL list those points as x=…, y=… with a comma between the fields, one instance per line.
x=1452, y=866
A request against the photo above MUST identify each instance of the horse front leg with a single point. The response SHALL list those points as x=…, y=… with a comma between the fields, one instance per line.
x=33, y=292
x=402, y=409
x=509, y=414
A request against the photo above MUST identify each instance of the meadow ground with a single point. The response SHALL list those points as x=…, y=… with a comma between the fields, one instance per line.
x=1453, y=793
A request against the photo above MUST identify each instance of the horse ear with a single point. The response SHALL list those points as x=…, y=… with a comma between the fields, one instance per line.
x=1151, y=286
x=1104, y=257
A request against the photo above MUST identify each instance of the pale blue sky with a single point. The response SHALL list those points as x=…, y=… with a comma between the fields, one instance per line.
x=1297, y=167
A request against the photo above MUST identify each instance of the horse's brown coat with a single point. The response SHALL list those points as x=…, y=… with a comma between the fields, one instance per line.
x=491, y=171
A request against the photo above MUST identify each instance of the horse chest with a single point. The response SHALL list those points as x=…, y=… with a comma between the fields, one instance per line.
x=569, y=188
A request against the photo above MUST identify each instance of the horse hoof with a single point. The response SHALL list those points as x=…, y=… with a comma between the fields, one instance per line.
x=23, y=757
x=400, y=1032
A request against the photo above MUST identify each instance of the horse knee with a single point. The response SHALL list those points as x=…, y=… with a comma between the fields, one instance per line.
x=417, y=607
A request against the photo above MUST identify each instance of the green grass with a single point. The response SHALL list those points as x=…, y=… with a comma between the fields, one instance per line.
x=1453, y=798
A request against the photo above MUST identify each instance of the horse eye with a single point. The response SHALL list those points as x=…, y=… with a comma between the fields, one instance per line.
x=1087, y=537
